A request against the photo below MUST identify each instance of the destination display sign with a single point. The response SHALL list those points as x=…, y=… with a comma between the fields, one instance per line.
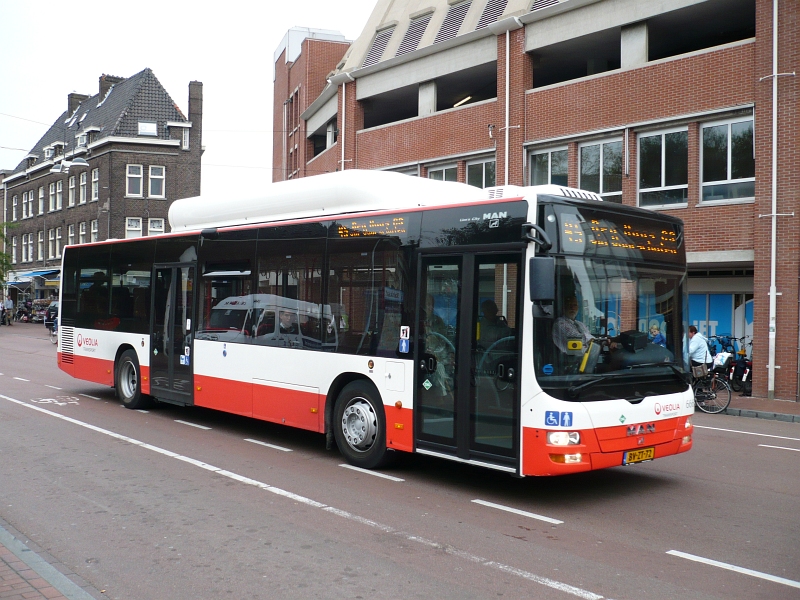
x=395, y=225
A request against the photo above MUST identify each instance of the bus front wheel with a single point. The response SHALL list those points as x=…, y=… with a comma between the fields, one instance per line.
x=129, y=381
x=360, y=425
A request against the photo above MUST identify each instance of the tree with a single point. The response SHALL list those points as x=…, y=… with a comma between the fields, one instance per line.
x=5, y=259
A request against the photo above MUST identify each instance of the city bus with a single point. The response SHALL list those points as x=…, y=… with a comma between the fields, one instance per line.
x=502, y=327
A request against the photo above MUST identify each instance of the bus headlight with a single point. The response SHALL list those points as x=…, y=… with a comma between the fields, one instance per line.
x=688, y=424
x=563, y=438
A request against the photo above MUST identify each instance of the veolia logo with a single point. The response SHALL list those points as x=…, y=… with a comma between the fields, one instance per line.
x=87, y=341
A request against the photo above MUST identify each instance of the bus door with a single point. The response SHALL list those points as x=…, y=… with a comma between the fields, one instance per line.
x=467, y=357
x=171, y=333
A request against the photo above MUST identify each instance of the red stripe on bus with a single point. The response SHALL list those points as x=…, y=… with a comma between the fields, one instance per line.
x=97, y=370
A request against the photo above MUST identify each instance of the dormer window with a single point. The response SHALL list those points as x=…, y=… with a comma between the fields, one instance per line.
x=81, y=139
x=148, y=128
x=49, y=153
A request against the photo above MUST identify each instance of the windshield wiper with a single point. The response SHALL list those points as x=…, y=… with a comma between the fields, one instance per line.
x=680, y=373
x=572, y=391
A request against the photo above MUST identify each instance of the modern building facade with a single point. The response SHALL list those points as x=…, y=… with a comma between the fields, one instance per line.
x=108, y=167
x=690, y=107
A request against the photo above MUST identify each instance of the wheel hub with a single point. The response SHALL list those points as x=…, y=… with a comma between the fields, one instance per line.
x=359, y=425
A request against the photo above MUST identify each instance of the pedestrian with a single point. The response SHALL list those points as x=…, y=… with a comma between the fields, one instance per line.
x=8, y=307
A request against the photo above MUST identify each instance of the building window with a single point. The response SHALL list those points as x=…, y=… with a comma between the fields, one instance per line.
x=148, y=128
x=481, y=174
x=58, y=242
x=82, y=138
x=40, y=249
x=95, y=184
x=41, y=200
x=133, y=227
x=14, y=250
x=550, y=167
x=728, y=161
x=24, y=205
x=95, y=229
x=82, y=233
x=30, y=247
x=71, y=235
x=443, y=174
x=185, y=139
x=82, y=192
x=52, y=196
x=157, y=183
x=14, y=208
x=71, y=192
x=24, y=247
x=134, y=187
x=663, y=168
x=155, y=226
x=601, y=169
x=59, y=195
x=30, y=203
x=51, y=243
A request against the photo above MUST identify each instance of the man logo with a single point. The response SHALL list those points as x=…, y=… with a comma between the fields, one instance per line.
x=641, y=429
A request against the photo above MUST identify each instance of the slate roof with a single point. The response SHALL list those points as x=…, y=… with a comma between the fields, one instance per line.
x=139, y=97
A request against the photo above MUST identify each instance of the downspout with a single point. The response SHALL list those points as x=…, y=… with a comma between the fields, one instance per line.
x=285, y=125
x=773, y=241
x=506, y=26
x=342, y=78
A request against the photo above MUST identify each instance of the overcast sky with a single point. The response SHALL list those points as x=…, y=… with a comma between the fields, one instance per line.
x=50, y=49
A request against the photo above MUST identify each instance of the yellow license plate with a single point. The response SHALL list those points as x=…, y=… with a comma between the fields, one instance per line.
x=637, y=456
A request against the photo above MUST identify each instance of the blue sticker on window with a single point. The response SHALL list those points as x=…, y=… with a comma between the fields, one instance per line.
x=404, y=346
x=547, y=369
x=553, y=418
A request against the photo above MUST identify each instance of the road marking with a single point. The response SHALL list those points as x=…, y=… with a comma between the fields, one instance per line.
x=779, y=447
x=21, y=379
x=193, y=424
x=373, y=473
x=722, y=565
x=273, y=446
x=551, y=583
x=52, y=387
x=777, y=437
x=88, y=396
x=517, y=511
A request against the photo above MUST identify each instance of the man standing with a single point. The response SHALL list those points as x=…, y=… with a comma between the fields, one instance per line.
x=8, y=307
x=698, y=349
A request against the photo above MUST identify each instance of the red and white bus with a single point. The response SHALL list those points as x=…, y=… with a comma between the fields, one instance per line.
x=394, y=313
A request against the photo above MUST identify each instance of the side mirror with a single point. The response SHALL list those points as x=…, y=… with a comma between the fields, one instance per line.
x=543, y=278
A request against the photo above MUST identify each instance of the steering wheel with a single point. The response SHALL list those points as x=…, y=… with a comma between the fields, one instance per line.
x=441, y=337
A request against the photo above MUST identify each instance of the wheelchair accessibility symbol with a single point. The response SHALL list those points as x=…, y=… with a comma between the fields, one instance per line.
x=553, y=418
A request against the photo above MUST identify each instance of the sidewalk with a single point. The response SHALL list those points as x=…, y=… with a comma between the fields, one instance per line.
x=25, y=575
x=761, y=408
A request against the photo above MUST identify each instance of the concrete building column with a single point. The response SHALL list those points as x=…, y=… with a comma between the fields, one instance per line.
x=427, y=98
x=634, y=46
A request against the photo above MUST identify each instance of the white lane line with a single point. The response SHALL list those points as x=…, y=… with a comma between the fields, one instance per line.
x=722, y=565
x=373, y=473
x=21, y=379
x=273, y=446
x=193, y=424
x=779, y=447
x=551, y=583
x=88, y=396
x=52, y=387
x=777, y=437
x=517, y=511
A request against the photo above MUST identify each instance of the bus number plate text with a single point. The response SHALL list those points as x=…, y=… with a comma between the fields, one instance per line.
x=637, y=456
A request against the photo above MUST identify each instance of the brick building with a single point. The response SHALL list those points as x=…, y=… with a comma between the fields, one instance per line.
x=108, y=167
x=665, y=105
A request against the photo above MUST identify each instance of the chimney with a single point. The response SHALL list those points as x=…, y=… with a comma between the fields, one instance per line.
x=196, y=110
x=106, y=81
x=74, y=101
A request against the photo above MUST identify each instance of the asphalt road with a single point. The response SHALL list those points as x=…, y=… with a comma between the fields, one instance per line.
x=190, y=503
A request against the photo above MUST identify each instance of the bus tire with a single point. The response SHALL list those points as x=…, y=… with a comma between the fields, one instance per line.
x=128, y=381
x=359, y=425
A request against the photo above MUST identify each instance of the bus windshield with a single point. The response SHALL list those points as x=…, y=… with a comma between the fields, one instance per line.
x=615, y=331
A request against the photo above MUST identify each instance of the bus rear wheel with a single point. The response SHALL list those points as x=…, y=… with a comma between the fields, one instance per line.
x=359, y=425
x=129, y=381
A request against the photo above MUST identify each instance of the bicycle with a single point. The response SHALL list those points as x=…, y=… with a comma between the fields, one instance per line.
x=712, y=394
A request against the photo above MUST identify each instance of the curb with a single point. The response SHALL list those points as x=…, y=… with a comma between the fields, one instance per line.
x=762, y=414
